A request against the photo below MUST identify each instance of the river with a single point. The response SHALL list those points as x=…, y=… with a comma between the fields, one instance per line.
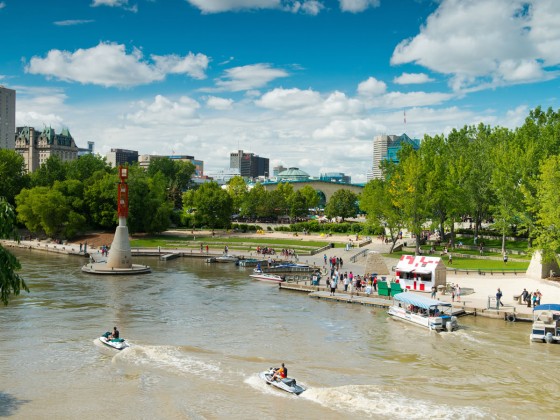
x=200, y=333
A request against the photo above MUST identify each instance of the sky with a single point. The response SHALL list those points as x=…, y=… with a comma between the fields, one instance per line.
x=305, y=83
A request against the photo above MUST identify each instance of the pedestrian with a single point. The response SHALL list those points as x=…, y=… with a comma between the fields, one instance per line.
x=505, y=257
x=499, y=299
x=325, y=259
x=207, y=249
x=450, y=259
x=334, y=282
x=81, y=246
x=375, y=283
x=346, y=281
x=434, y=292
x=201, y=247
x=539, y=295
x=452, y=293
x=534, y=299
x=458, y=292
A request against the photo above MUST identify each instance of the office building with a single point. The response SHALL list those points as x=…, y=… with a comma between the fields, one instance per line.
x=117, y=157
x=386, y=147
x=7, y=118
x=36, y=147
x=336, y=177
x=249, y=164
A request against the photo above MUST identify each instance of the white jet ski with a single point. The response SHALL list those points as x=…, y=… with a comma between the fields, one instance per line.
x=116, y=343
x=285, y=384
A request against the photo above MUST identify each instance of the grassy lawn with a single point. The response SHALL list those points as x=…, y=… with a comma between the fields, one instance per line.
x=473, y=264
x=495, y=243
x=192, y=241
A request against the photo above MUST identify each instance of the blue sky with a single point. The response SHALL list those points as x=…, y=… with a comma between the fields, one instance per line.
x=306, y=83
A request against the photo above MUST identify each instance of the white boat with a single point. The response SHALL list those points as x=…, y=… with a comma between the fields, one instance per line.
x=116, y=343
x=546, y=323
x=285, y=384
x=274, y=278
x=429, y=313
x=226, y=258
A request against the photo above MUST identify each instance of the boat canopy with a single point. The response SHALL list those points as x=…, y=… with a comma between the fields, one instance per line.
x=419, y=301
x=547, y=307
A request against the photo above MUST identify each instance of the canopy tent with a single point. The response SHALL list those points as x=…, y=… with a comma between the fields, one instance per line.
x=420, y=301
x=547, y=307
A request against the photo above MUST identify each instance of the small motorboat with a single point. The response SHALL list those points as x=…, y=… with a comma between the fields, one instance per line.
x=274, y=278
x=285, y=384
x=546, y=323
x=116, y=343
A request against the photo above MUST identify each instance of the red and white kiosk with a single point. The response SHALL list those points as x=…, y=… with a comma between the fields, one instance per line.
x=420, y=272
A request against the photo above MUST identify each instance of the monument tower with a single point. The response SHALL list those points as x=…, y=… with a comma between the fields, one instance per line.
x=119, y=260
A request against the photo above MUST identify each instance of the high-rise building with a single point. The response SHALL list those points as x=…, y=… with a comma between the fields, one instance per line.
x=7, y=118
x=336, y=177
x=36, y=147
x=277, y=170
x=118, y=157
x=249, y=164
x=386, y=147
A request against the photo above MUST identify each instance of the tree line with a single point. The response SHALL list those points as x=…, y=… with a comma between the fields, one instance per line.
x=511, y=177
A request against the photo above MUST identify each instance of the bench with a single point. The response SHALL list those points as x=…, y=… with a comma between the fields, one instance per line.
x=383, y=289
x=395, y=288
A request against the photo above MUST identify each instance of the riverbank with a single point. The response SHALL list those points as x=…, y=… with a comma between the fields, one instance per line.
x=480, y=289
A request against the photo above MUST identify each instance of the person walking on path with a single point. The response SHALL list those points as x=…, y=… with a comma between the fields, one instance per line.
x=434, y=292
x=458, y=292
x=334, y=282
x=499, y=299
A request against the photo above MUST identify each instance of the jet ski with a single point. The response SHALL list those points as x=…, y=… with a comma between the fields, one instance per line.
x=116, y=343
x=285, y=384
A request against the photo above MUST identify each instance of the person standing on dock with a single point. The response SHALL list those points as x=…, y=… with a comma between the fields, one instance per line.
x=334, y=282
x=499, y=299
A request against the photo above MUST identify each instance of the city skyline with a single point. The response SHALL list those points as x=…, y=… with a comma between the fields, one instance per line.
x=304, y=83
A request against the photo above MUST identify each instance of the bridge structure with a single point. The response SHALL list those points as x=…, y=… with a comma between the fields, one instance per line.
x=324, y=187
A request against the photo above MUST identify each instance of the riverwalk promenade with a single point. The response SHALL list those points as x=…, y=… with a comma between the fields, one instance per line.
x=479, y=289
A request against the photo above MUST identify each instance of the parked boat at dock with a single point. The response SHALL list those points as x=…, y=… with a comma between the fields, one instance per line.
x=429, y=313
x=546, y=323
x=226, y=258
x=268, y=277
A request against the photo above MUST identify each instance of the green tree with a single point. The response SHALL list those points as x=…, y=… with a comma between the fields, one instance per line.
x=213, y=205
x=10, y=281
x=547, y=207
x=237, y=189
x=298, y=205
x=149, y=207
x=12, y=174
x=177, y=175
x=100, y=199
x=256, y=203
x=85, y=166
x=53, y=169
x=311, y=196
x=381, y=211
x=408, y=190
x=343, y=204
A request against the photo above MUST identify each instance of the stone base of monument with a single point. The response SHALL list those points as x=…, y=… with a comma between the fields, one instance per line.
x=103, y=268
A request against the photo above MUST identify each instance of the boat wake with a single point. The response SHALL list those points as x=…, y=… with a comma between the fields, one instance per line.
x=256, y=382
x=168, y=358
x=369, y=400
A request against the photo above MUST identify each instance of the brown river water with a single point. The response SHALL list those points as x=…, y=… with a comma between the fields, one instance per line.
x=200, y=334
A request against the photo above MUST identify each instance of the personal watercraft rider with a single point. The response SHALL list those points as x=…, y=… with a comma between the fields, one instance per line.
x=115, y=334
x=281, y=373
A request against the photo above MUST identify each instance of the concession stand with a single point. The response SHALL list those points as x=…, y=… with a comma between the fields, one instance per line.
x=420, y=272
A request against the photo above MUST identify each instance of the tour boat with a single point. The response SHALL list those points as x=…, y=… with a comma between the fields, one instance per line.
x=274, y=278
x=546, y=323
x=419, y=310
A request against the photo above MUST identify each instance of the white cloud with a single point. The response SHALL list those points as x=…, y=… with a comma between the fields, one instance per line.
x=115, y=3
x=289, y=99
x=356, y=6
x=192, y=64
x=213, y=102
x=2, y=5
x=487, y=42
x=312, y=7
x=163, y=111
x=248, y=77
x=72, y=22
x=372, y=87
x=412, y=78
x=109, y=64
